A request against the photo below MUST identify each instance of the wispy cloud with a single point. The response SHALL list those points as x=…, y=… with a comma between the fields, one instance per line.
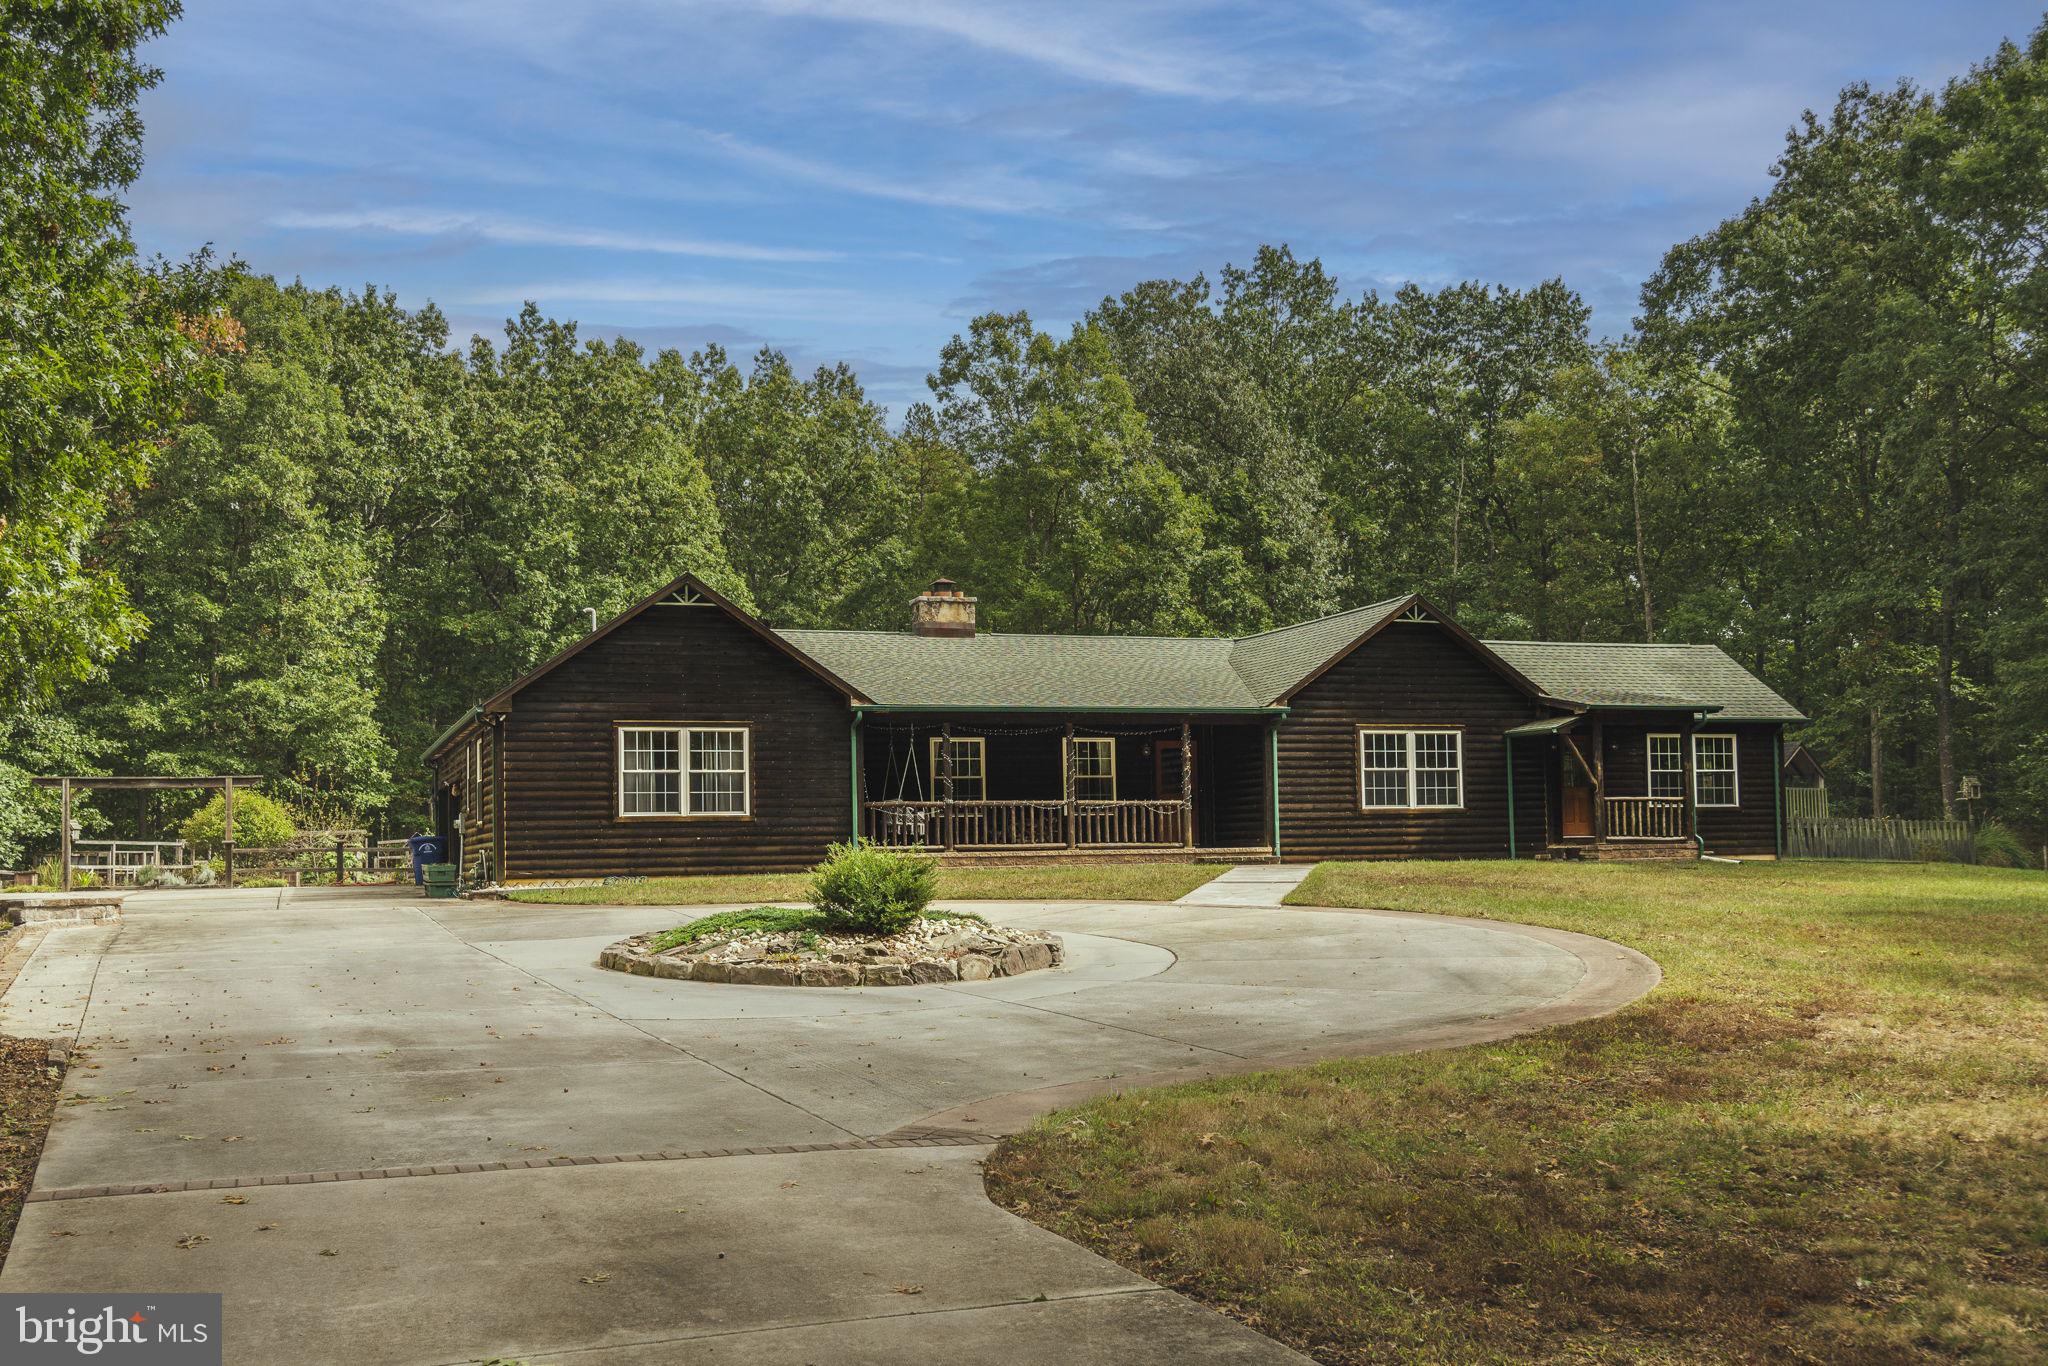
x=521, y=232
x=977, y=189
x=738, y=301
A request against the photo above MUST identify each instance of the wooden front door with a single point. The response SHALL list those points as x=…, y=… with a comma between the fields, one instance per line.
x=1575, y=797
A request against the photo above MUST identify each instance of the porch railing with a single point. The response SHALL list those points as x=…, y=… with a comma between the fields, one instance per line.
x=1023, y=824
x=1646, y=818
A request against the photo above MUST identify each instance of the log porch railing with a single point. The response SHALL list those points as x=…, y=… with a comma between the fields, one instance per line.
x=1646, y=818
x=1025, y=824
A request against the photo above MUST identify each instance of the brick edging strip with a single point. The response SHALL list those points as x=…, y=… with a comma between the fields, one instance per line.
x=914, y=1138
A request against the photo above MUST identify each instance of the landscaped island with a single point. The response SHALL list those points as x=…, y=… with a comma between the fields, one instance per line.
x=868, y=924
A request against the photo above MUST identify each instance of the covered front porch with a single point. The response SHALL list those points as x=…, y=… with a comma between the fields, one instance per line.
x=1616, y=782
x=971, y=786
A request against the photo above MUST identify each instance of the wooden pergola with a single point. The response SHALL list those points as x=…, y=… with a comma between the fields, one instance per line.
x=69, y=782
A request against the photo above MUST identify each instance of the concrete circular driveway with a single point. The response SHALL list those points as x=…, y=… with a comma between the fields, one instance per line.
x=450, y=1096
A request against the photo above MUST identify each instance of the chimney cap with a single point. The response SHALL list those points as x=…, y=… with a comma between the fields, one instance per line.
x=943, y=587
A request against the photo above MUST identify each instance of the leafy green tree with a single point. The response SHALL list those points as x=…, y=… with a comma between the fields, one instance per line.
x=266, y=609
x=1072, y=513
x=800, y=469
x=1225, y=435
x=260, y=823
x=97, y=354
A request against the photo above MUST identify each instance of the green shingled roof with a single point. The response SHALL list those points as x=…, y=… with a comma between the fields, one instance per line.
x=1646, y=676
x=1174, y=673
x=1057, y=673
x=1274, y=663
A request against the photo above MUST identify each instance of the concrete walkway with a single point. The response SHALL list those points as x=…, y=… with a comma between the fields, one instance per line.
x=413, y=1131
x=1249, y=884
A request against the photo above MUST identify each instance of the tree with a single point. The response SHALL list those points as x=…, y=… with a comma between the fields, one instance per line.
x=1071, y=512
x=97, y=354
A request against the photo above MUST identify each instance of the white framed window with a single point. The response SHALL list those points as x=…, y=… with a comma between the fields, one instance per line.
x=1713, y=771
x=473, y=779
x=1095, y=768
x=970, y=767
x=685, y=771
x=1667, y=766
x=1410, y=770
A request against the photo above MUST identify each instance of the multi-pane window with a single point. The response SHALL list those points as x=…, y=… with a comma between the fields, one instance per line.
x=683, y=770
x=1410, y=769
x=718, y=772
x=970, y=767
x=1713, y=771
x=1095, y=768
x=1667, y=766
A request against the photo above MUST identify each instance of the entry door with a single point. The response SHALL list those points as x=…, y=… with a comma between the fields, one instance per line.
x=1575, y=796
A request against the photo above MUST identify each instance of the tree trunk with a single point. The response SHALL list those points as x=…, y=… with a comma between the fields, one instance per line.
x=1635, y=496
x=1876, y=763
x=1944, y=702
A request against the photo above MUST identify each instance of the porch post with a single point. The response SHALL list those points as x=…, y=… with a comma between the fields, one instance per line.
x=227, y=827
x=1273, y=781
x=946, y=779
x=1187, y=784
x=64, y=833
x=1507, y=745
x=1599, y=782
x=1067, y=782
x=1692, y=808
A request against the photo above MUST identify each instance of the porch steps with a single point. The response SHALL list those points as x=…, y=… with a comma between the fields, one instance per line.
x=1624, y=851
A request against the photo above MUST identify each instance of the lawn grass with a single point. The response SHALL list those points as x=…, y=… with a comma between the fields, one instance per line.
x=1054, y=882
x=1823, y=1138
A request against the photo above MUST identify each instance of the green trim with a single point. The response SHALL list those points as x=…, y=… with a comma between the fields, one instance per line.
x=1698, y=708
x=1273, y=783
x=1507, y=743
x=972, y=710
x=1778, y=789
x=435, y=745
x=853, y=771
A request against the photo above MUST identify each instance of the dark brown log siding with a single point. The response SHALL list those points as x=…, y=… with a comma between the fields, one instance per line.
x=1748, y=829
x=476, y=818
x=674, y=664
x=1407, y=675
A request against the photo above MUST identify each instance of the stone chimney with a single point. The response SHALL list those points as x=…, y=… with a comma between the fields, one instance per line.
x=942, y=610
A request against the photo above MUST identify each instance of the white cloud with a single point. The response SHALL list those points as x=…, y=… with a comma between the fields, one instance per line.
x=520, y=232
x=979, y=190
x=738, y=300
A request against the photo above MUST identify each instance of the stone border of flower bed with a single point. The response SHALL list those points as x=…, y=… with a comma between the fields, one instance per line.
x=1030, y=955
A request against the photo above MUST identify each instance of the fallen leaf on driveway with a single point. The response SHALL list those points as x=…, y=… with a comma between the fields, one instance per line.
x=908, y=1289
x=329, y=1252
x=597, y=1279
x=265, y=1228
x=234, y=1199
x=192, y=1240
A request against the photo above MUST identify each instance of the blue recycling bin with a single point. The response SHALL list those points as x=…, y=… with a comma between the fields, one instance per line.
x=426, y=849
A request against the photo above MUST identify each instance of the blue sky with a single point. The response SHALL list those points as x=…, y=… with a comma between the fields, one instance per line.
x=857, y=178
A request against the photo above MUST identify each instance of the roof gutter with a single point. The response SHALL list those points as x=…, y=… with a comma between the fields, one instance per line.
x=969, y=709
x=440, y=742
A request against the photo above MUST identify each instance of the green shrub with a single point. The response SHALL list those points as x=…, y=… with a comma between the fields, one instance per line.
x=1999, y=847
x=260, y=823
x=732, y=924
x=862, y=889
x=1930, y=851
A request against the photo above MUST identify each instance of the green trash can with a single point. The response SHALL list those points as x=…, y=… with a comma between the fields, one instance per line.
x=439, y=879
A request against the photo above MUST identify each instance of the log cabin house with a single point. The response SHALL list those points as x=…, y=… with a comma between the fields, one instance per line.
x=688, y=736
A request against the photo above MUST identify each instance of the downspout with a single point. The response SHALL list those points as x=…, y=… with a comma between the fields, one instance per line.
x=1508, y=747
x=853, y=772
x=1273, y=782
x=1778, y=788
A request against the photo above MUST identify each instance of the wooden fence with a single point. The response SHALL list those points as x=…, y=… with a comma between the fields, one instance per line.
x=1897, y=841
x=1806, y=803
